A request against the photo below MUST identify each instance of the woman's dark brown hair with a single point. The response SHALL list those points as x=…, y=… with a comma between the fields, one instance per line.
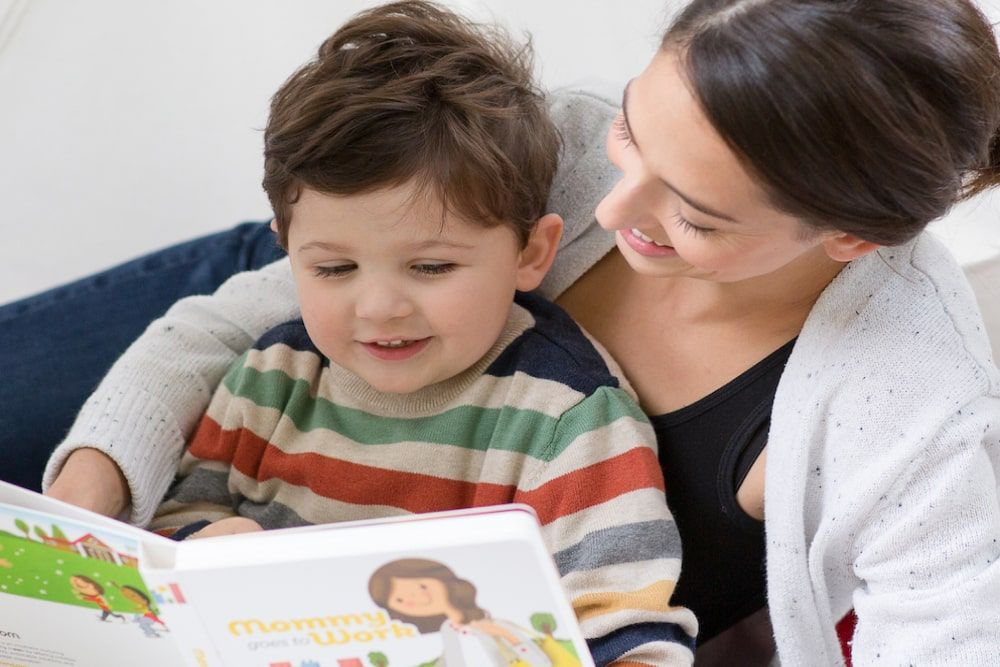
x=406, y=91
x=461, y=593
x=872, y=117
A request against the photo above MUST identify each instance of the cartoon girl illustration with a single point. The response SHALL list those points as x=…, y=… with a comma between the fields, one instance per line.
x=89, y=590
x=145, y=617
x=428, y=595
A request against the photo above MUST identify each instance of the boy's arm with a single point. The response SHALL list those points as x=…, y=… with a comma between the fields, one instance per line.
x=149, y=402
x=601, y=502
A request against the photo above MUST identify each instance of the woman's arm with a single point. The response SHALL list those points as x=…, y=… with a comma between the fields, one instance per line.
x=149, y=402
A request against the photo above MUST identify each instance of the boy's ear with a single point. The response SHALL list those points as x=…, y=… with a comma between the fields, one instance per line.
x=274, y=225
x=537, y=256
x=844, y=247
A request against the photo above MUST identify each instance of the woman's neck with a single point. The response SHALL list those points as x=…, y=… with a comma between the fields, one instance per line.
x=783, y=297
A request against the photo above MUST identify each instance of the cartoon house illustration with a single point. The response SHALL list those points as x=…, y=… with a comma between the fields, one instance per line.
x=89, y=546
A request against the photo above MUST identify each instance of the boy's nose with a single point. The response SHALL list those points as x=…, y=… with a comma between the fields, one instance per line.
x=382, y=302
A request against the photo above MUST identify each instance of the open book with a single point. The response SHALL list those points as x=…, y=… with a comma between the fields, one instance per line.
x=470, y=587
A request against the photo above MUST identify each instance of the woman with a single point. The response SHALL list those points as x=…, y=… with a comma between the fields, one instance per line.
x=769, y=293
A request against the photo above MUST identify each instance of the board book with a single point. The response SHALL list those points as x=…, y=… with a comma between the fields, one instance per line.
x=471, y=588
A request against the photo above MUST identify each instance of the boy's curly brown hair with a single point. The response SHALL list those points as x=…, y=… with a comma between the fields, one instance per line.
x=411, y=91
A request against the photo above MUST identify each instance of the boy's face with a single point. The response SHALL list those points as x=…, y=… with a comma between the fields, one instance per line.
x=392, y=294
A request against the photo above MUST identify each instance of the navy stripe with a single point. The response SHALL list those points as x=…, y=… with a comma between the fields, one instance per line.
x=554, y=349
x=293, y=334
x=612, y=646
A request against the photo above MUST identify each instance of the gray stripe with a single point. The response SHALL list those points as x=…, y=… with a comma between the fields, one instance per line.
x=630, y=543
x=203, y=485
x=272, y=514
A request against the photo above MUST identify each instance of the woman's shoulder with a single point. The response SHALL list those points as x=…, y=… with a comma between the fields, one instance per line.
x=904, y=311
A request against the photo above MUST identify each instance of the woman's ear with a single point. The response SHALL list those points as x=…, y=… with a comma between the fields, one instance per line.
x=538, y=254
x=844, y=247
x=274, y=225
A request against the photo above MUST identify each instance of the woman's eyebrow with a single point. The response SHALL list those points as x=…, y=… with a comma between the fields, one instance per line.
x=707, y=210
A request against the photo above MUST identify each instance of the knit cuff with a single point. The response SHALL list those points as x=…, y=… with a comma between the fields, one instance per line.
x=138, y=433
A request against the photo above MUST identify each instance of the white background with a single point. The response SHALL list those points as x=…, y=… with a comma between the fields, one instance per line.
x=126, y=125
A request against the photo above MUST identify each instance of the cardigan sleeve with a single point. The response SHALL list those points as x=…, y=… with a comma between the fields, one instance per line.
x=929, y=556
x=152, y=398
x=600, y=499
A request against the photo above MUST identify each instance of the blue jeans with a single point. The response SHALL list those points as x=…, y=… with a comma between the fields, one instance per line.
x=56, y=346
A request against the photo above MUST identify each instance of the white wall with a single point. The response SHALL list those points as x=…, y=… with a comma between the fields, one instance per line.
x=129, y=124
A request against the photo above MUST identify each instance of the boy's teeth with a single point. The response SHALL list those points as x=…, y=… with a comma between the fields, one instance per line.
x=391, y=343
x=639, y=235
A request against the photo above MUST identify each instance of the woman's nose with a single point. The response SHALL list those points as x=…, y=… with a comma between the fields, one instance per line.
x=631, y=203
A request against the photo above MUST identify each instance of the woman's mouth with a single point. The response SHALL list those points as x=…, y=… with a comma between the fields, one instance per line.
x=646, y=246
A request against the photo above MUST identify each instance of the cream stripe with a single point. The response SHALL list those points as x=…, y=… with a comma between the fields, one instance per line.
x=618, y=437
x=172, y=514
x=518, y=391
x=598, y=626
x=309, y=506
x=621, y=577
x=634, y=507
x=189, y=463
x=458, y=463
x=660, y=653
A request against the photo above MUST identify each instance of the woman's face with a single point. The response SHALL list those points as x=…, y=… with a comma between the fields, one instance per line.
x=418, y=597
x=685, y=206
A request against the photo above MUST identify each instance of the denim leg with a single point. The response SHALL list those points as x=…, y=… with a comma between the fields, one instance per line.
x=56, y=346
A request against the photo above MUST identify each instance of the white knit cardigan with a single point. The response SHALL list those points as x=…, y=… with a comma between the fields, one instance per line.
x=881, y=481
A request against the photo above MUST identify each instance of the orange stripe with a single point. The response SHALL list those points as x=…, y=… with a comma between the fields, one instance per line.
x=635, y=469
x=342, y=480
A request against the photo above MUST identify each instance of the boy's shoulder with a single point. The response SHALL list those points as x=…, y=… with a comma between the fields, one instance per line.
x=556, y=348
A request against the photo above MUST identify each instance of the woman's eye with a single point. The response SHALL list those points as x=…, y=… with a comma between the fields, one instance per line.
x=336, y=271
x=689, y=226
x=621, y=130
x=434, y=269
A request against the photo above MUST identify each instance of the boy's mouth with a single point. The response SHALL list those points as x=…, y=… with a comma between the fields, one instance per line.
x=396, y=349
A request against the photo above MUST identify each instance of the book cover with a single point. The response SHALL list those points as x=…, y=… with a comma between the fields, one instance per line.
x=470, y=587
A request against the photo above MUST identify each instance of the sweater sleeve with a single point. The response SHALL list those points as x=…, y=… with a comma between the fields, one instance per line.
x=929, y=556
x=600, y=499
x=201, y=490
x=151, y=399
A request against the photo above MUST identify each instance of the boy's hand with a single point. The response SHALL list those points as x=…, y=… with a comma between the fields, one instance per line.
x=92, y=480
x=233, y=525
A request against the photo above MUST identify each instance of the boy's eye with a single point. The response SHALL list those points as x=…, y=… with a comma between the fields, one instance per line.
x=336, y=271
x=434, y=269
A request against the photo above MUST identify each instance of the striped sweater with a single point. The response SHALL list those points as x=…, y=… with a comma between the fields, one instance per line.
x=292, y=439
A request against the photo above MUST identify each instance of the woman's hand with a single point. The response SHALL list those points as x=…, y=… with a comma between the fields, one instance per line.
x=92, y=480
x=233, y=525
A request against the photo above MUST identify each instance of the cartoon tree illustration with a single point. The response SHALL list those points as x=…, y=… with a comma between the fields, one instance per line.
x=378, y=659
x=544, y=623
x=42, y=535
x=58, y=533
x=23, y=527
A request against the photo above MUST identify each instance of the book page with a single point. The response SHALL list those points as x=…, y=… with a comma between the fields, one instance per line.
x=73, y=594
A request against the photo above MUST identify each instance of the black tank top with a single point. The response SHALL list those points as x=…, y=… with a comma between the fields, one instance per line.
x=706, y=450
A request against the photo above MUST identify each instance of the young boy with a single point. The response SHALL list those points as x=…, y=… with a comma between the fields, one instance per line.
x=408, y=167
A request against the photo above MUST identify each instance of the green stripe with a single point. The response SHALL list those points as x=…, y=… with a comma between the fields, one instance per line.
x=605, y=406
x=507, y=428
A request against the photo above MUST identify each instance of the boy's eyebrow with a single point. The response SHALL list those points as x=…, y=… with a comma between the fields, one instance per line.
x=690, y=202
x=416, y=247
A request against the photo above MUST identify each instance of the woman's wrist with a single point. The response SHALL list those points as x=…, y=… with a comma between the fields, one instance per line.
x=92, y=480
